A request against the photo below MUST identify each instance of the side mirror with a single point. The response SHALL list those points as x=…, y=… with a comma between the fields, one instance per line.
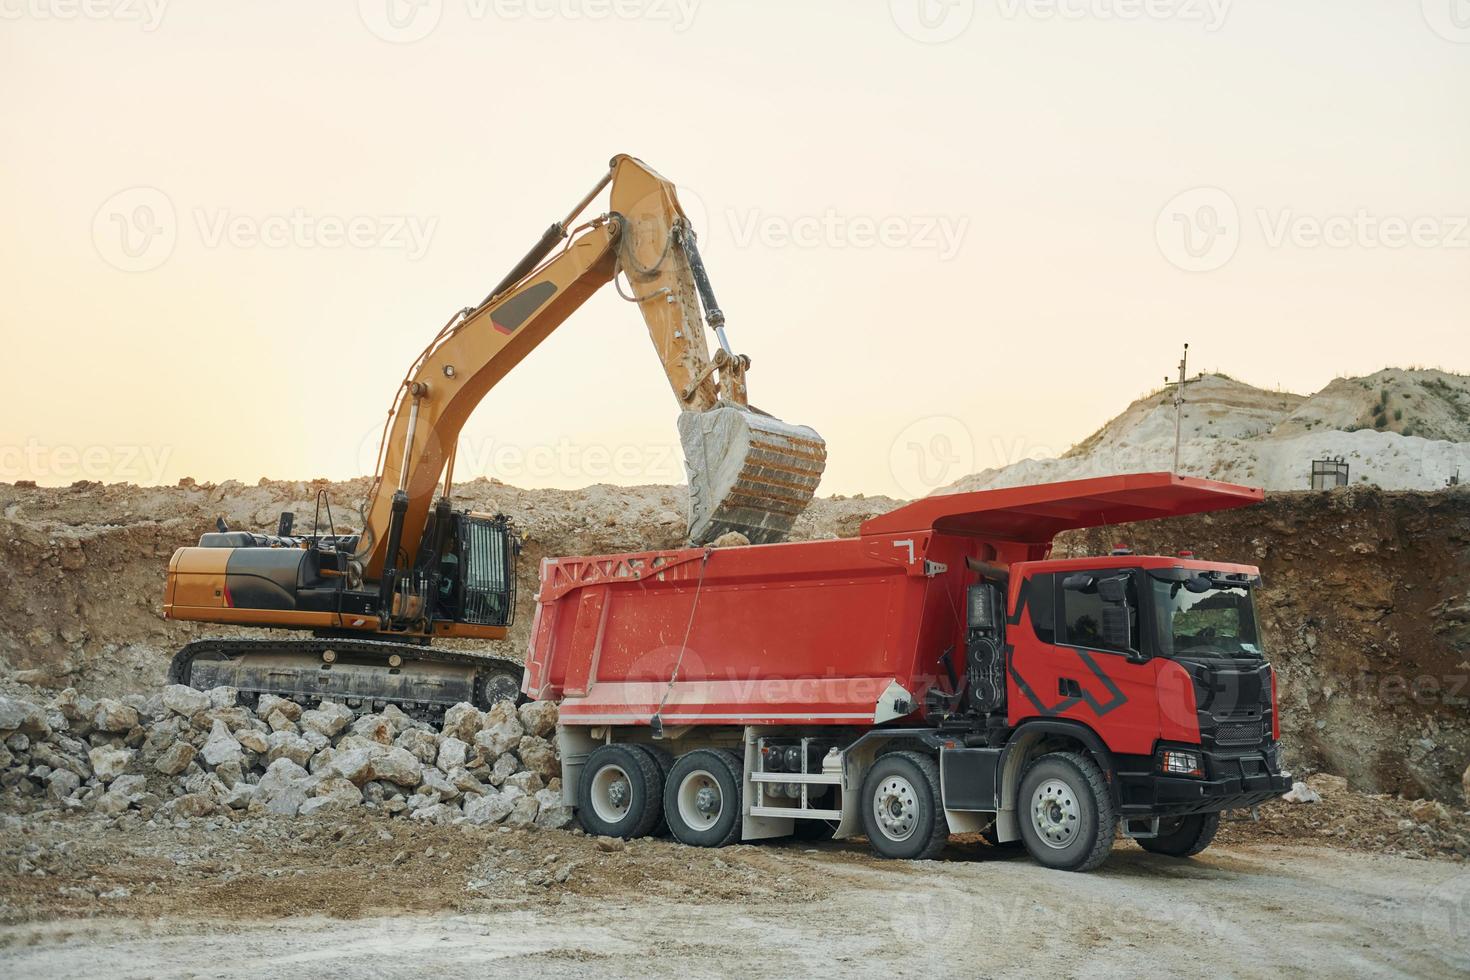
x=285, y=523
x=1113, y=590
x=1117, y=630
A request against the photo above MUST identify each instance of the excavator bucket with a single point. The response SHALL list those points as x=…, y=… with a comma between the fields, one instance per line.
x=748, y=472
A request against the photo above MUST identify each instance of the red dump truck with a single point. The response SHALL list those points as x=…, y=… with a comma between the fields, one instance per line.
x=936, y=674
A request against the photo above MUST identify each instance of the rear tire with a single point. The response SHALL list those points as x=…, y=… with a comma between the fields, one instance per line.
x=902, y=810
x=1184, y=837
x=1067, y=817
x=702, y=798
x=618, y=794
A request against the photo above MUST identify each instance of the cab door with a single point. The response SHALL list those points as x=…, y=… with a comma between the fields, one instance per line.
x=1090, y=672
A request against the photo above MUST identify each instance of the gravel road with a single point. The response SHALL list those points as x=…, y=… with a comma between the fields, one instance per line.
x=1254, y=910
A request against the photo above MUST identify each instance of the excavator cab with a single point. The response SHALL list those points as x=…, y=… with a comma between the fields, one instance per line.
x=470, y=577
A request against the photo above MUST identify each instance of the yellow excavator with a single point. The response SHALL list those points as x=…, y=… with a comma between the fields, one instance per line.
x=421, y=570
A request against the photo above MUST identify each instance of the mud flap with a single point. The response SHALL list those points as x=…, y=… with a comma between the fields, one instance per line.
x=748, y=472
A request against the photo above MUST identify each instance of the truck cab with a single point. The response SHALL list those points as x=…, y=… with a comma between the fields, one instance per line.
x=1154, y=665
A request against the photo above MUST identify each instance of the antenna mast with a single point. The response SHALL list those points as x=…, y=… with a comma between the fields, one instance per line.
x=1178, y=387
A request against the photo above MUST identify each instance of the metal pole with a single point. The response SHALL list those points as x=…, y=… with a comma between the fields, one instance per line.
x=1179, y=407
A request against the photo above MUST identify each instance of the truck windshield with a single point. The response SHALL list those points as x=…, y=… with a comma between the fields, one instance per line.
x=1219, y=622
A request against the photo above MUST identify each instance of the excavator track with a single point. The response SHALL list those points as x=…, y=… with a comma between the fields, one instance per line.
x=365, y=674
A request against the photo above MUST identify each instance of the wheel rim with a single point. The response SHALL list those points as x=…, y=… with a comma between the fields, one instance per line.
x=612, y=794
x=896, y=808
x=1056, y=815
x=700, y=801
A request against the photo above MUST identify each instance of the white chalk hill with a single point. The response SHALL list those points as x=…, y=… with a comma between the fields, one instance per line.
x=1397, y=429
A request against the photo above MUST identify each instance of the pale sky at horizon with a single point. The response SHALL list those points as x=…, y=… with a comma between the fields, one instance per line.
x=984, y=222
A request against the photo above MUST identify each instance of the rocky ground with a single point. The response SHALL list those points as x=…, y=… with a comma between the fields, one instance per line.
x=182, y=753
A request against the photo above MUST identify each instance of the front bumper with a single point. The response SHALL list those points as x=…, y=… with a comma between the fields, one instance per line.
x=1232, y=781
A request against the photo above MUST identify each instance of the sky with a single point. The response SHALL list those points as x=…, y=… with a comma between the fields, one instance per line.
x=949, y=234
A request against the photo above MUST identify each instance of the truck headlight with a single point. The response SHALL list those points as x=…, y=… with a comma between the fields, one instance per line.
x=1180, y=763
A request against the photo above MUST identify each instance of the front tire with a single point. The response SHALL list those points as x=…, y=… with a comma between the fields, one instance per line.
x=903, y=814
x=702, y=798
x=1184, y=837
x=619, y=792
x=1067, y=816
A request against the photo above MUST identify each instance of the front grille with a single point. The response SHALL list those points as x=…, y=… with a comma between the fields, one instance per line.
x=1238, y=733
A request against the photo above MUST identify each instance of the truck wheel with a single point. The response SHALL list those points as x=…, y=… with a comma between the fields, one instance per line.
x=1067, y=816
x=1184, y=836
x=702, y=798
x=903, y=814
x=618, y=795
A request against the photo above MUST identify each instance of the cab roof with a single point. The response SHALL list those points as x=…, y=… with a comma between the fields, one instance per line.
x=1036, y=514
